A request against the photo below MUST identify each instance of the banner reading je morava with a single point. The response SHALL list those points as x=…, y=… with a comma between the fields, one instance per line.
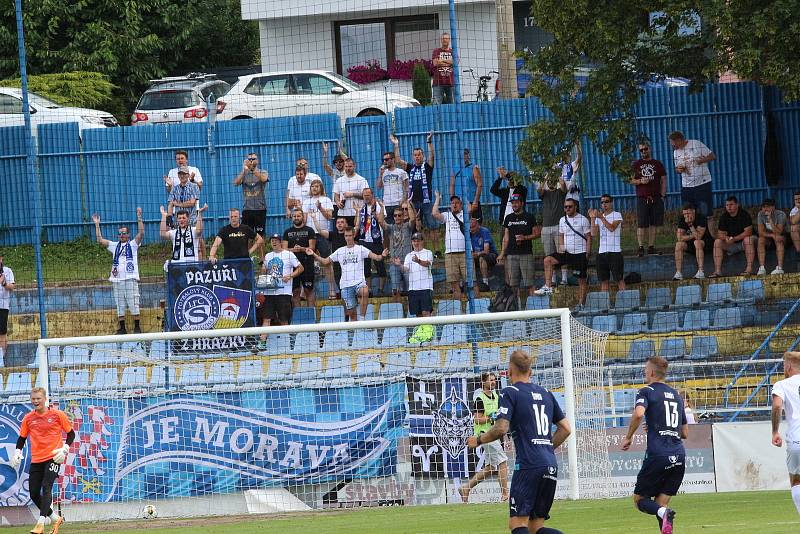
x=206, y=296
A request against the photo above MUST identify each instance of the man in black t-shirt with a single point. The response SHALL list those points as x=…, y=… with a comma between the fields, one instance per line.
x=336, y=239
x=692, y=232
x=519, y=231
x=420, y=186
x=235, y=237
x=734, y=234
x=297, y=238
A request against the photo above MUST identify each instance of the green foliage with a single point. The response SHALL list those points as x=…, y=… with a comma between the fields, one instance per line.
x=79, y=89
x=421, y=84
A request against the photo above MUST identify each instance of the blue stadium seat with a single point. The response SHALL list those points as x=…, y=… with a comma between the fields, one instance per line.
x=640, y=350
x=727, y=318
x=545, y=328
x=250, y=371
x=510, y=350
x=719, y=293
x=488, y=358
x=538, y=302
x=339, y=366
x=673, y=348
x=703, y=347
x=53, y=357
x=513, y=331
x=336, y=340
x=549, y=378
x=306, y=342
x=448, y=307
x=192, y=374
x=624, y=400
x=665, y=321
x=53, y=377
x=398, y=363
x=396, y=336
x=158, y=349
x=427, y=361
x=304, y=315
x=750, y=291
x=19, y=383
x=548, y=356
x=79, y=354
x=221, y=372
x=308, y=367
x=134, y=376
x=133, y=349
x=369, y=365
x=331, y=314
x=75, y=380
x=158, y=376
x=627, y=300
x=390, y=310
x=687, y=296
x=633, y=323
x=696, y=320
x=481, y=305
x=279, y=344
x=279, y=368
x=105, y=378
x=658, y=298
x=453, y=334
x=458, y=360
x=364, y=339
x=604, y=323
x=597, y=301
x=369, y=315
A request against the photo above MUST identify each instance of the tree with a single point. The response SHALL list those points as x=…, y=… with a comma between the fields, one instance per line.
x=626, y=44
x=78, y=89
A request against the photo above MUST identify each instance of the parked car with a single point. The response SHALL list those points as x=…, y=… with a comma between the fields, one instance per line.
x=45, y=111
x=178, y=99
x=275, y=94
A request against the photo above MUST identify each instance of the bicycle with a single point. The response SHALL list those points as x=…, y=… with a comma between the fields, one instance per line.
x=483, y=84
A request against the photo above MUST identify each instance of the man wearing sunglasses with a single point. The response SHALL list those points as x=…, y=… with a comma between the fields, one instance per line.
x=574, y=244
x=124, y=270
x=650, y=179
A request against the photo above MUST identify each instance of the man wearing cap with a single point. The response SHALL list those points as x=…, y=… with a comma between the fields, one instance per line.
x=417, y=265
x=466, y=182
x=394, y=182
x=455, y=263
x=283, y=265
x=513, y=186
x=484, y=252
x=519, y=231
x=337, y=171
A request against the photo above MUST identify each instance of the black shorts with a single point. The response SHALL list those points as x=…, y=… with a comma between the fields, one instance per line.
x=610, y=264
x=649, y=211
x=532, y=492
x=660, y=474
x=323, y=247
x=491, y=261
x=255, y=219
x=578, y=262
x=306, y=278
x=380, y=266
x=277, y=308
x=3, y=321
x=420, y=301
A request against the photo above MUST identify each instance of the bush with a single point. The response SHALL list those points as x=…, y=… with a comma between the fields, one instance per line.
x=421, y=84
x=79, y=89
x=369, y=73
x=403, y=70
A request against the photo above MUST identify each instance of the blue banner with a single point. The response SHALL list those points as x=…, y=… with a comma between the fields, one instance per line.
x=205, y=296
x=189, y=445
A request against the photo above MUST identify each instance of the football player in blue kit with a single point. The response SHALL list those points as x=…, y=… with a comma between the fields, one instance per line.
x=664, y=462
x=528, y=411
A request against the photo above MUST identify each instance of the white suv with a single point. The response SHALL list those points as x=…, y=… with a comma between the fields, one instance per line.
x=178, y=99
x=46, y=111
x=276, y=94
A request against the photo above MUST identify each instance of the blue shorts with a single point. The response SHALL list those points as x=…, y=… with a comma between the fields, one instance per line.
x=350, y=295
x=425, y=214
x=660, y=474
x=398, y=278
x=532, y=492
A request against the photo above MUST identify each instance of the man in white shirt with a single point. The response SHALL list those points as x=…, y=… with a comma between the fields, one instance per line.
x=347, y=192
x=455, y=263
x=338, y=163
x=574, y=245
x=124, y=270
x=369, y=230
x=298, y=190
x=185, y=238
x=417, y=264
x=608, y=223
x=691, y=158
x=394, y=182
x=283, y=266
x=352, y=283
x=6, y=287
x=182, y=160
x=786, y=398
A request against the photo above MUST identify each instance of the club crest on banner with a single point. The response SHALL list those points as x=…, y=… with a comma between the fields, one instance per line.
x=452, y=424
x=234, y=306
x=13, y=482
x=196, y=308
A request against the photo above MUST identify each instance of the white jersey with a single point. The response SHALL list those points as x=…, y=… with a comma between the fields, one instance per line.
x=573, y=242
x=788, y=390
x=609, y=241
x=312, y=212
x=419, y=277
x=454, y=239
x=352, y=262
x=280, y=264
x=695, y=173
x=349, y=184
x=394, y=190
x=297, y=191
x=5, y=294
x=127, y=266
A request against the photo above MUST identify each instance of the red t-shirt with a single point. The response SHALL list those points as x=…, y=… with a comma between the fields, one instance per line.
x=443, y=75
x=44, y=432
x=653, y=169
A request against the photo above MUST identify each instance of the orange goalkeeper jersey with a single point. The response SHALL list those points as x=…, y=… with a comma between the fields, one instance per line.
x=44, y=432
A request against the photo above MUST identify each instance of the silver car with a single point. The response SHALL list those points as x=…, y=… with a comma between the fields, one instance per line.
x=45, y=111
x=178, y=99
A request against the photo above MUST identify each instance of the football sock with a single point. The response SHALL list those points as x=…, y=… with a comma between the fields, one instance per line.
x=42, y=519
x=522, y=530
x=136, y=323
x=661, y=512
x=648, y=506
x=796, y=497
x=485, y=281
x=54, y=517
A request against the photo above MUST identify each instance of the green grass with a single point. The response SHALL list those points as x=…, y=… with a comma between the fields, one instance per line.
x=768, y=512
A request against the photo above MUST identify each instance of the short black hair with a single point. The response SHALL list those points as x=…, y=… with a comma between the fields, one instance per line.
x=606, y=195
x=455, y=197
x=688, y=206
x=182, y=212
x=768, y=202
x=732, y=198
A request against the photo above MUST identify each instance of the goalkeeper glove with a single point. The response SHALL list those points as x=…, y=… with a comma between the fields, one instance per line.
x=60, y=454
x=16, y=459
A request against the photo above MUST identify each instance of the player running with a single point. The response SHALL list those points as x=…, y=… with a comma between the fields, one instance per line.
x=528, y=410
x=44, y=426
x=665, y=460
x=785, y=397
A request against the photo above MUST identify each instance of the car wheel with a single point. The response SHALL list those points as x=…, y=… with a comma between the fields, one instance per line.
x=241, y=117
x=371, y=112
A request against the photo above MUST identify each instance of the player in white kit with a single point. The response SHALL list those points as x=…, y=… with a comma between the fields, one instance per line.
x=786, y=397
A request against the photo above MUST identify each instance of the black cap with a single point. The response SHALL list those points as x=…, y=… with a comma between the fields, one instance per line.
x=275, y=236
x=416, y=236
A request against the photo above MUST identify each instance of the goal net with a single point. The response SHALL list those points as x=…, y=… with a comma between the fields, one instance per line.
x=314, y=416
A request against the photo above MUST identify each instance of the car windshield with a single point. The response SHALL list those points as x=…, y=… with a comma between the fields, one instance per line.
x=41, y=101
x=167, y=100
x=348, y=84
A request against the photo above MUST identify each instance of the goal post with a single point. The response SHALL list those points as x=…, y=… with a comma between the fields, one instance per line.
x=310, y=416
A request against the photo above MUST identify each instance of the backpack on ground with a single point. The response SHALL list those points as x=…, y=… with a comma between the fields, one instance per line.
x=504, y=300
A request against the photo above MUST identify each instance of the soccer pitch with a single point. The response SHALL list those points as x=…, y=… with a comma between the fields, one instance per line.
x=767, y=511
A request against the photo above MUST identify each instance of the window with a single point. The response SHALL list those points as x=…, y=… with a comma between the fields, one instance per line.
x=385, y=40
x=10, y=105
x=269, y=86
x=313, y=84
x=219, y=89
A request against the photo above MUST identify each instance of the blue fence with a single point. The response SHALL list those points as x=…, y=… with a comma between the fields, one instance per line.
x=112, y=171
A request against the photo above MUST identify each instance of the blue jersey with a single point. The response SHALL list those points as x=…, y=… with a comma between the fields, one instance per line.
x=467, y=192
x=531, y=411
x=478, y=240
x=664, y=415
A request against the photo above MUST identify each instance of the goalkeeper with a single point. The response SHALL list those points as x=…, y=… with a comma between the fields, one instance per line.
x=45, y=427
